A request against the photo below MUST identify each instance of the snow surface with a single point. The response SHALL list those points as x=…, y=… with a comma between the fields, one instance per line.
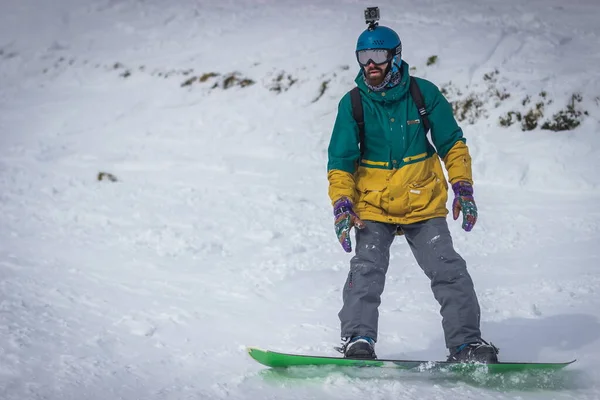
x=218, y=233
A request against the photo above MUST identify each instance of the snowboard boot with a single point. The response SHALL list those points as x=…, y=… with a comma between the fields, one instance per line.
x=359, y=347
x=479, y=352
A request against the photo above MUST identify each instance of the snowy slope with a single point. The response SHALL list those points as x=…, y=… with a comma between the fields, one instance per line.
x=218, y=233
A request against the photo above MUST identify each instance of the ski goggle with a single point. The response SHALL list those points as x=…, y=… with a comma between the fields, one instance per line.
x=375, y=56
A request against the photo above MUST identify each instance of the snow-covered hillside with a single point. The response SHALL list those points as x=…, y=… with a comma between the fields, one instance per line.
x=214, y=120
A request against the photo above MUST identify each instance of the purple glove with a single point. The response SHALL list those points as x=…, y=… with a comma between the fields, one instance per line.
x=345, y=219
x=464, y=201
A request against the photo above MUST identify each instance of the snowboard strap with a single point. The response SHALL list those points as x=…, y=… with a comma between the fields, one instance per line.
x=359, y=115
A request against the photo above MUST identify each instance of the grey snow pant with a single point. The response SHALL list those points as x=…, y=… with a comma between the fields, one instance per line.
x=431, y=244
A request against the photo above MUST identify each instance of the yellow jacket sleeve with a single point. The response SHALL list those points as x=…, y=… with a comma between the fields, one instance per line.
x=458, y=163
x=341, y=184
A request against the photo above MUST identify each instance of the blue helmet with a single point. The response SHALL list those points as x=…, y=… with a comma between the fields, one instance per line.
x=380, y=37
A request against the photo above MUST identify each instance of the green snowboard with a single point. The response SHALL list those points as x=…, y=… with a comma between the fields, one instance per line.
x=281, y=360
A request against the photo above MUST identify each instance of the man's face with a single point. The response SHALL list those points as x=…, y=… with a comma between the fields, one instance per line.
x=375, y=73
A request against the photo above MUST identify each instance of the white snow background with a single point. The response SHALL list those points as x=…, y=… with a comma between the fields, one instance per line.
x=218, y=233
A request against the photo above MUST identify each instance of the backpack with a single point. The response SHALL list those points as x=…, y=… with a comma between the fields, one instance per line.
x=359, y=116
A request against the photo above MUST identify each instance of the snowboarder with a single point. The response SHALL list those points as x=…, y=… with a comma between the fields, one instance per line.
x=389, y=181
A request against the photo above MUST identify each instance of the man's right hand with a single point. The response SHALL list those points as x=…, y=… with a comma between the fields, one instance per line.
x=345, y=219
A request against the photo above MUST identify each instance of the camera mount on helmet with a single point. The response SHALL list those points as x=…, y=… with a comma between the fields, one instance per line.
x=372, y=17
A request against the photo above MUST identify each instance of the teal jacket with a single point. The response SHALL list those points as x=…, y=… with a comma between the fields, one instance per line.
x=399, y=177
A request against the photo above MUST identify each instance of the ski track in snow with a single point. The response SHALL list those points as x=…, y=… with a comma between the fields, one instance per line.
x=218, y=233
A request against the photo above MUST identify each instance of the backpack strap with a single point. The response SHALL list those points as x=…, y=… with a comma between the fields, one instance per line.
x=359, y=117
x=417, y=96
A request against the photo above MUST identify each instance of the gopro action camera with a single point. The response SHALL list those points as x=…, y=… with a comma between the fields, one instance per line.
x=372, y=16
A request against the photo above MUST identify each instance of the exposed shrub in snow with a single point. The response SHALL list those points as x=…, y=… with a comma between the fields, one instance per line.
x=432, y=60
x=495, y=93
x=190, y=81
x=233, y=79
x=510, y=118
x=202, y=78
x=566, y=119
x=282, y=83
x=450, y=91
x=322, y=90
x=531, y=119
x=105, y=176
x=528, y=119
x=469, y=109
x=473, y=106
x=206, y=76
x=569, y=118
x=227, y=81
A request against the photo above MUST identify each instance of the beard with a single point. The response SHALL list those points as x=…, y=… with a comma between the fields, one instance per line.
x=374, y=75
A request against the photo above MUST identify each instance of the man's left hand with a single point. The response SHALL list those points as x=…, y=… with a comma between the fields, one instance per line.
x=464, y=201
